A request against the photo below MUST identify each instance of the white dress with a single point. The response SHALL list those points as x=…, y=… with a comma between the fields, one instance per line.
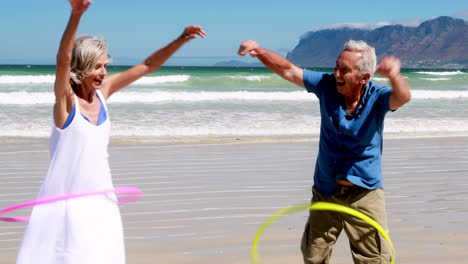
x=85, y=230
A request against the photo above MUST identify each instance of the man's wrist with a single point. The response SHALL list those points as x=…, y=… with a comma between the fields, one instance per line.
x=395, y=76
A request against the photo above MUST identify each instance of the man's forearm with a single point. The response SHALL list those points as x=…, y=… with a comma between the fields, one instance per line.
x=401, y=91
x=281, y=66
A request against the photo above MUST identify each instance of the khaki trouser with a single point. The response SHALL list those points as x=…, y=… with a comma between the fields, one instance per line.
x=324, y=227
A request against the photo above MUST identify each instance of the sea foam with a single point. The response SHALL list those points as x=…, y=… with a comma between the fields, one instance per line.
x=28, y=98
x=168, y=131
x=444, y=73
x=161, y=96
x=26, y=79
x=437, y=94
x=43, y=79
x=161, y=79
x=254, y=78
x=435, y=79
x=25, y=98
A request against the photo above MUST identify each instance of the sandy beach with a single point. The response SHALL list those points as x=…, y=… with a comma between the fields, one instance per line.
x=204, y=203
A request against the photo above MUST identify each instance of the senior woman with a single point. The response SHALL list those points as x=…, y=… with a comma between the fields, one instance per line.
x=88, y=229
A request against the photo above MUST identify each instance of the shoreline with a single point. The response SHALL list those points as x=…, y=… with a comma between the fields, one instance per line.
x=195, y=141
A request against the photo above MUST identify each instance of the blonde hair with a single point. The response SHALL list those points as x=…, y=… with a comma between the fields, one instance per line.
x=368, y=61
x=86, y=52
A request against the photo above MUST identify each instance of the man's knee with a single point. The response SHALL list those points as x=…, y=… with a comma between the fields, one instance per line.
x=316, y=255
x=377, y=252
x=316, y=250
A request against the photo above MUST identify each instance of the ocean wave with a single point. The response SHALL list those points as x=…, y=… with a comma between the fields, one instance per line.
x=264, y=127
x=425, y=125
x=255, y=78
x=158, y=133
x=380, y=79
x=133, y=97
x=444, y=73
x=161, y=79
x=26, y=79
x=25, y=133
x=42, y=79
x=383, y=79
x=438, y=94
x=435, y=79
x=210, y=131
x=169, y=131
x=27, y=98
x=147, y=80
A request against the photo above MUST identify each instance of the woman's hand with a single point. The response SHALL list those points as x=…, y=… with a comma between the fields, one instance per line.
x=191, y=32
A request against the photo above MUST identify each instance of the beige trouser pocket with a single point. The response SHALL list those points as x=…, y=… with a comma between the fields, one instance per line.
x=324, y=227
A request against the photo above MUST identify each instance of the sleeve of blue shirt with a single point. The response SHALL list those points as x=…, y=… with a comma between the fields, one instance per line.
x=312, y=80
x=384, y=99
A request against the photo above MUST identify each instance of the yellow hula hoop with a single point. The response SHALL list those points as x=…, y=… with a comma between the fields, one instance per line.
x=321, y=206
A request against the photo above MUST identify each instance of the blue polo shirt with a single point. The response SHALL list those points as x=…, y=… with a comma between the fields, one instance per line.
x=350, y=146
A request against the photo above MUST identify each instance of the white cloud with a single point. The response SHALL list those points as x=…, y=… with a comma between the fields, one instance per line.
x=367, y=26
x=409, y=23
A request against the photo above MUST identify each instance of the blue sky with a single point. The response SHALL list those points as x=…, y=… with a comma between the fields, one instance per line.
x=31, y=29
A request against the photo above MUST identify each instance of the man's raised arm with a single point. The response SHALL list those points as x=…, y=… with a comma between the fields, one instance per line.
x=273, y=61
x=390, y=68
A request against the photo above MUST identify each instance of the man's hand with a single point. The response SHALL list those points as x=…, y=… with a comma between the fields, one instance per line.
x=250, y=46
x=79, y=6
x=389, y=67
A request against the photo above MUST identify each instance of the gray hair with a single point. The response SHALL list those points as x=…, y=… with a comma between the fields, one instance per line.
x=368, y=61
x=86, y=52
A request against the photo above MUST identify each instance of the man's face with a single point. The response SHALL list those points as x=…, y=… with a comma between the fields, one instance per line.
x=349, y=80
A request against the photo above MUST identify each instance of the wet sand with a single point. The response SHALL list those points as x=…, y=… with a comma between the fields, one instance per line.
x=204, y=203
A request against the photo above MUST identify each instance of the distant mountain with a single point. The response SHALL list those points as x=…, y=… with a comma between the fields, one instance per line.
x=438, y=43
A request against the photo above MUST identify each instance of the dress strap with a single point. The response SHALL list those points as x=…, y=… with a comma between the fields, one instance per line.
x=72, y=112
x=102, y=117
x=101, y=98
x=77, y=104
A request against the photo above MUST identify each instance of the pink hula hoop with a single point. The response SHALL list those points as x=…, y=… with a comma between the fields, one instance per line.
x=131, y=194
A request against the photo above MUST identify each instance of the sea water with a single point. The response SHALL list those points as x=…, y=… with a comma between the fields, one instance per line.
x=214, y=103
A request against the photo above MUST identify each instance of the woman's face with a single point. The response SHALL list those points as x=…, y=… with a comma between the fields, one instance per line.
x=95, y=79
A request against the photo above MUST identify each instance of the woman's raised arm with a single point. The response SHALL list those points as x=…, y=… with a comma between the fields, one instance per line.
x=118, y=81
x=62, y=87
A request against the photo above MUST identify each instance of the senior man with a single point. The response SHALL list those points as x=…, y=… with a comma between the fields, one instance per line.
x=348, y=167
